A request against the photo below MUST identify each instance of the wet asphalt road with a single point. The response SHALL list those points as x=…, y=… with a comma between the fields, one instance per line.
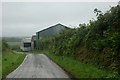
x=38, y=66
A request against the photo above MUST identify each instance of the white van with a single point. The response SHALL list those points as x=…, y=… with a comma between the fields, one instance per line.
x=26, y=44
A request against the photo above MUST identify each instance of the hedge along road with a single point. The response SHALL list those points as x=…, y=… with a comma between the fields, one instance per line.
x=38, y=66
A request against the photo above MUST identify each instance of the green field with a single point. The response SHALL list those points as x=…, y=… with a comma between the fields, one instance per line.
x=0, y=65
x=78, y=69
x=10, y=61
x=12, y=44
x=0, y=58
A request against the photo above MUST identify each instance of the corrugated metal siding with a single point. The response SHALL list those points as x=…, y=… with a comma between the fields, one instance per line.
x=50, y=32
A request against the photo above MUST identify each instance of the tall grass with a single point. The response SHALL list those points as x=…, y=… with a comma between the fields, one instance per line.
x=10, y=61
x=0, y=65
x=80, y=70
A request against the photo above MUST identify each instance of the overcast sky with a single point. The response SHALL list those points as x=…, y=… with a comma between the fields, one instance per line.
x=26, y=18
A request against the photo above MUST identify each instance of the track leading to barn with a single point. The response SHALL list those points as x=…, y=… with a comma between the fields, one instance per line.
x=38, y=66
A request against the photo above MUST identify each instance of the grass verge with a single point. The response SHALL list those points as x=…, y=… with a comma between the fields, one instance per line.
x=0, y=65
x=10, y=61
x=78, y=69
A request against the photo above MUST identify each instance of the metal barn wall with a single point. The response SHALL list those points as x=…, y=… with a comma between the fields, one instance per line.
x=49, y=32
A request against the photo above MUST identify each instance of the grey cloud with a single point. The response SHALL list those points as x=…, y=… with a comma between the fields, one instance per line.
x=25, y=18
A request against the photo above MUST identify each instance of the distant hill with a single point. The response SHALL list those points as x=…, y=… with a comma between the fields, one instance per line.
x=13, y=42
x=12, y=39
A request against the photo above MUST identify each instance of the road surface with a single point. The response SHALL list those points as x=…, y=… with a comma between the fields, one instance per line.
x=38, y=66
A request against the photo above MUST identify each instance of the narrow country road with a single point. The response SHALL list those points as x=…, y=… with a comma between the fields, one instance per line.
x=38, y=66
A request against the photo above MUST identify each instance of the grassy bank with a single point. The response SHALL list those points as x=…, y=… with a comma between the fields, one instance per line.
x=10, y=61
x=78, y=69
x=0, y=58
x=0, y=65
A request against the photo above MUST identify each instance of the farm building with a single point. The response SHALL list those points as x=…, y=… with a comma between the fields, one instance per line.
x=49, y=32
x=33, y=42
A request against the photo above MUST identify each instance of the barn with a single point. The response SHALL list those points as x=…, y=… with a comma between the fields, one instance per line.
x=28, y=44
x=49, y=32
x=33, y=42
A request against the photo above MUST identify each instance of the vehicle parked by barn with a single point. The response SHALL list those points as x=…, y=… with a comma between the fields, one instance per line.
x=26, y=44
